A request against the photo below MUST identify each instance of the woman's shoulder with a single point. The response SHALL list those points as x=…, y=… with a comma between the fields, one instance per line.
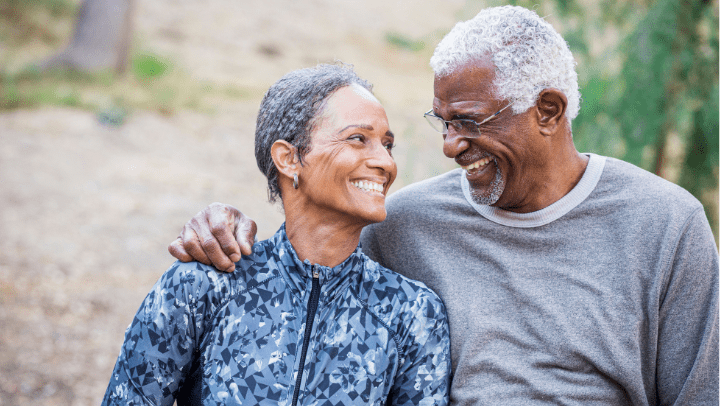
x=205, y=284
x=202, y=286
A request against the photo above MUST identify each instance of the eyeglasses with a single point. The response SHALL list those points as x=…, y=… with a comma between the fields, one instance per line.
x=461, y=125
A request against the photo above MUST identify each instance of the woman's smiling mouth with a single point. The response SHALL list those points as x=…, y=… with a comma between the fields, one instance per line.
x=369, y=186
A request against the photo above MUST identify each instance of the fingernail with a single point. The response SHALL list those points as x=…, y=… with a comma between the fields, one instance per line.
x=234, y=257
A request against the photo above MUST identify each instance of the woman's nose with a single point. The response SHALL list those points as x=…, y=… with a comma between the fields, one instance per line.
x=382, y=158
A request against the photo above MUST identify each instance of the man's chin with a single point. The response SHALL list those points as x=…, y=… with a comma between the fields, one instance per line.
x=490, y=194
x=484, y=199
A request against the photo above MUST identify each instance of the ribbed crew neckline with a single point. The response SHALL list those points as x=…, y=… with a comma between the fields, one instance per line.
x=577, y=195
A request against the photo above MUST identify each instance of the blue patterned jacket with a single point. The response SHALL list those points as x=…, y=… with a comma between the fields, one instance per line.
x=368, y=335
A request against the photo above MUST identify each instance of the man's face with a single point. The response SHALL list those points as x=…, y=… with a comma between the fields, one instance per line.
x=496, y=159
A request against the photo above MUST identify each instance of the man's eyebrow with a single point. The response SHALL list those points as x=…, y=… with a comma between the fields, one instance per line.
x=390, y=134
x=466, y=116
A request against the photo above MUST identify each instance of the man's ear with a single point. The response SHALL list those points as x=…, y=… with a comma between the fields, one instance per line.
x=551, y=105
x=285, y=157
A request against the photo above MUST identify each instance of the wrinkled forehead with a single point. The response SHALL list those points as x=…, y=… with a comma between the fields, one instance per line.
x=475, y=76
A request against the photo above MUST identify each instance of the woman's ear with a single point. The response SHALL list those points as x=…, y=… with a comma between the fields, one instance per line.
x=285, y=157
x=551, y=105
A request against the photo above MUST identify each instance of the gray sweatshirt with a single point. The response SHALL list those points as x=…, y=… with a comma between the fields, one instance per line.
x=607, y=297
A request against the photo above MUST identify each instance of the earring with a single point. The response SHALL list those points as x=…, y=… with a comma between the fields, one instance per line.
x=295, y=180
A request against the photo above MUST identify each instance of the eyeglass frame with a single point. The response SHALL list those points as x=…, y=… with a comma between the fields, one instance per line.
x=446, y=123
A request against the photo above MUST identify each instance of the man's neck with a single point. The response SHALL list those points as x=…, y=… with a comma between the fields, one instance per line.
x=559, y=177
x=565, y=175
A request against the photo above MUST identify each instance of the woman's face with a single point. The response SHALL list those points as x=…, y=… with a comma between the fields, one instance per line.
x=349, y=168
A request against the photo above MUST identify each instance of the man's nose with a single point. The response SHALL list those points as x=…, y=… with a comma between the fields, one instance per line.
x=454, y=143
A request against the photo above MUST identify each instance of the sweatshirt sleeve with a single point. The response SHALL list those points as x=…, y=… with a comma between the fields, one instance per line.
x=424, y=376
x=687, y=360
x=160, y=342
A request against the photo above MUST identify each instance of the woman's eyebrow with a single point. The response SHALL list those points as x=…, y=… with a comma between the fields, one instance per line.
x=368, y=127
x=363, y=126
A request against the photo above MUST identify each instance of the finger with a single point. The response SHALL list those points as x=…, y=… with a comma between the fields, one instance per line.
x=245, y=232
x=222, y=221
x=208, y=243
x=192, y=246
x=176, y=250
x=217, y=256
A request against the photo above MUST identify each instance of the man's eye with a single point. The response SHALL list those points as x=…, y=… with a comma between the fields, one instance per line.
x=469, y=125
x=390, y=146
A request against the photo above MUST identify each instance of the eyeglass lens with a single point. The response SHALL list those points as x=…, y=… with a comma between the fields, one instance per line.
x=459, y=125
x=436, y=123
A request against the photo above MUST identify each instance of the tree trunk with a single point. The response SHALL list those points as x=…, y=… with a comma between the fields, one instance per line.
x=103, y=32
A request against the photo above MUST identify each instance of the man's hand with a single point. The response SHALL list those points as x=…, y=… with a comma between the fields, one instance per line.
x=216, y=236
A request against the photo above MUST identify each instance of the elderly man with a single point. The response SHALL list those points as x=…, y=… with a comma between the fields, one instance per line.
x=568, y=278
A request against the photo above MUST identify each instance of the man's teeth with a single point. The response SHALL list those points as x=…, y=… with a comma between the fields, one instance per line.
x=477, y=164
x=369, y=186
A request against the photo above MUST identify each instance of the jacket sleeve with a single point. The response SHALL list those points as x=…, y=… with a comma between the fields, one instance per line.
x=687, y=357
x=159, y=343
x=423, y=378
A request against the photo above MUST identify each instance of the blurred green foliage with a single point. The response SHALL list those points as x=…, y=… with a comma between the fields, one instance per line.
x=25, y=8
x=25, y=20
x=403, y=42
x=31, y=88
x=148, y=66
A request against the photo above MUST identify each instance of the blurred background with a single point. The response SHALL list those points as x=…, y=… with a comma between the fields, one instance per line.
x=120, y=119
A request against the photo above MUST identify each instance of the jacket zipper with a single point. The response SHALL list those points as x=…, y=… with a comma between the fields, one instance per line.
x=312, y=308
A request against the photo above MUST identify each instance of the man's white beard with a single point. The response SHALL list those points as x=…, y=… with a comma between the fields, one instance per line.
x=496, y=190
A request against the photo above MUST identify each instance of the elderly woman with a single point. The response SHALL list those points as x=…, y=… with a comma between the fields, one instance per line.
x=309, y=319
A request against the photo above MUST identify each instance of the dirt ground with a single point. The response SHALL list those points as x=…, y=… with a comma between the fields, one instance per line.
x=87, y=211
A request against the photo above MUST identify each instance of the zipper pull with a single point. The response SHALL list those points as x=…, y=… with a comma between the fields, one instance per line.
x=316, y=274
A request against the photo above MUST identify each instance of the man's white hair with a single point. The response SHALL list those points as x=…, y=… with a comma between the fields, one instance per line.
x=529, y=55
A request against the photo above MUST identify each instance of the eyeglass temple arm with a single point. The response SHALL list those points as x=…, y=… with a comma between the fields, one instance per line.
x=499, y=111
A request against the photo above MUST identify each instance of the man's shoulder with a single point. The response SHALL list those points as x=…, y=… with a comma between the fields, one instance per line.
x=641, y=188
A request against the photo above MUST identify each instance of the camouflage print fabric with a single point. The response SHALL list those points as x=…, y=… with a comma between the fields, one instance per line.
x=205, y=337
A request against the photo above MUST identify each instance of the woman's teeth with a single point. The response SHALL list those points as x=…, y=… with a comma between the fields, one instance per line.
x=477, y=164
x=368, y=186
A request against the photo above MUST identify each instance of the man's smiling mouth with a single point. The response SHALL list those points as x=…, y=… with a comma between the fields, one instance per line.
x=477, y=164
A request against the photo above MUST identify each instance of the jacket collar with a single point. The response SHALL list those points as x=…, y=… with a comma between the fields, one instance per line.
x=300, y=273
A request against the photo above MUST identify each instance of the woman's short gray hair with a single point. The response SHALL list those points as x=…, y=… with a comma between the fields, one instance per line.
x=529, y=55
x=290, y=110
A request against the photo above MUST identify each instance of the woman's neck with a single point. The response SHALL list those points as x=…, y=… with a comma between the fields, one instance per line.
x=323, y=237
x=322, y=241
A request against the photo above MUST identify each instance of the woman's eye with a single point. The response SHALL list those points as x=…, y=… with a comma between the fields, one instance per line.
x=358, y=137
